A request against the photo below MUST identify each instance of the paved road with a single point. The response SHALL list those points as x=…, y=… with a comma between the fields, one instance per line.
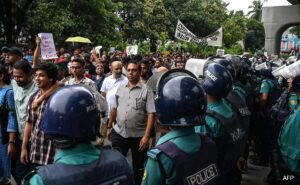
x=256, y=175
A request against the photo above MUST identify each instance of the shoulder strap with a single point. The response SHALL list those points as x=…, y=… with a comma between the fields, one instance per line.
x=27, y=177
x=154, y=154
x=215, y=114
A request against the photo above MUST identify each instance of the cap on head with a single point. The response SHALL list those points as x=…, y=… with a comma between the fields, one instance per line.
x=13, y=50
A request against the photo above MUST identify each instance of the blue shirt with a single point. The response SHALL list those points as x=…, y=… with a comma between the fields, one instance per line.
x=7, y=101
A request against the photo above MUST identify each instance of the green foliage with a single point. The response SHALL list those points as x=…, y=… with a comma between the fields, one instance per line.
x=235, y=49
x=295, y=30
x=118, y=23
x=254, y=37
x=256, y=10
x=144, y=48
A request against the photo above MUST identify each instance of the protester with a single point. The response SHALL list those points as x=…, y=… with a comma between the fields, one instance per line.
x=8, y=126
x=41, y=151
x=131, y=119
x=77, y=161
x=77, y=68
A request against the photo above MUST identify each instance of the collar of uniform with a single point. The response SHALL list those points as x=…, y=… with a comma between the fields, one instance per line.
x=238, y=84
x=214, y=104
x=177, y=132
x=77, y=149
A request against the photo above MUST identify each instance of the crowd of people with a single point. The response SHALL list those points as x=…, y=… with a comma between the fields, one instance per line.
x=56, y=116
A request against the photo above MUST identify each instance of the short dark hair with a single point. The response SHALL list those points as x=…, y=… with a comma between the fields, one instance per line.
x=49, y=68
x=146, y=62
x=136, y=63
x=6, y=76
x=24, y=66
x=79, y=60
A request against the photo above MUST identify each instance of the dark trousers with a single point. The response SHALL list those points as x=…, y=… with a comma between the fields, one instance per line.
x=138, y=156
x=19, y=170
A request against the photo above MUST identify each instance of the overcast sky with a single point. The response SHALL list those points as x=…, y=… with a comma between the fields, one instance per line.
x=244, y=4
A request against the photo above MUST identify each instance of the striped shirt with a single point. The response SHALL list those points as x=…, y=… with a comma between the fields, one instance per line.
x=42, y=151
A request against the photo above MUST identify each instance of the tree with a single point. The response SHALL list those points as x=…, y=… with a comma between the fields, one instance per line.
x=13, y=17
x=91, y=18
x=295, y=30
x=156, y=22
x=255, y=35
x=256, y=9
x=234, y=28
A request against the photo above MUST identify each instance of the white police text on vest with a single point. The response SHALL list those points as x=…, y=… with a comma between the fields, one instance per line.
x=203, y=176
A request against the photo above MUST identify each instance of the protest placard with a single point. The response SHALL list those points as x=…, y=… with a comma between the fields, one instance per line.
x=47, y=46
x=132, y=50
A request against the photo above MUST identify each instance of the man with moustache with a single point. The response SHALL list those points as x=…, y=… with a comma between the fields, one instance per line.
x=14, y=55
x=132, y=118
x=24, y=86
x=42, y=150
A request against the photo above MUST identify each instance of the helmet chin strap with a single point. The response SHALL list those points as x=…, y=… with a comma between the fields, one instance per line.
x=65, y=143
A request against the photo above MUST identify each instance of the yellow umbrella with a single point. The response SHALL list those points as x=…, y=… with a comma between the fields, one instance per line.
x=78, y=39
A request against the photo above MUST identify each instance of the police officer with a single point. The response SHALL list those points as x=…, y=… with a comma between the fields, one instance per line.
x=236, y=99
x=181, y=156
x=223, y=124
x=71, y=120
x=269, y=93
x=289, y=141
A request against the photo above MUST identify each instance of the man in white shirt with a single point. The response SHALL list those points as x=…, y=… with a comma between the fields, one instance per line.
x=112, y=82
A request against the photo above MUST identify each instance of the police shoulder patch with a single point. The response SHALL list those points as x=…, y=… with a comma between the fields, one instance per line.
x=153, y=153
x=145, y=174
x=293, y=102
